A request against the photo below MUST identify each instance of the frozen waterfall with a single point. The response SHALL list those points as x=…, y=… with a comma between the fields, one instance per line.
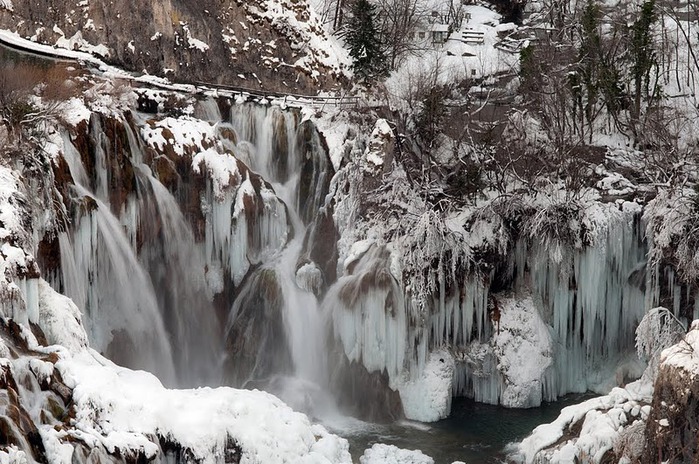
x=193, y=253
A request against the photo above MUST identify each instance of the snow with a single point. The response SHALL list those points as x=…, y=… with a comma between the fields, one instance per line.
x=603, y=419
x=357, y=250
x=685, y=354
x=9, y=213
x=480, y=15
x=6, y=4
x=428, y=398
x=221, y=168
x=77, y=42
x=60, y=319
x=614, y=421
x=183, y=135
x=73, y=111
x=336, y=129
x=305, y=31
x=524, y=347
x=378, y=147
x=193, y=42
x=134, y=407
x=389, y=454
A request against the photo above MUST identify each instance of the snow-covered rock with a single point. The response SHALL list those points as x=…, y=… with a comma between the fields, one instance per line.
x=671, y=428
x=380, y=147
x=130, y=412
x=524, y=349
x=428, y=398
x=601, y=422
x=390, y=454
x=60, y=319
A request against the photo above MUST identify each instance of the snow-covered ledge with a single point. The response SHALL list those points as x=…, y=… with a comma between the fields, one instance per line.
x=122, y=412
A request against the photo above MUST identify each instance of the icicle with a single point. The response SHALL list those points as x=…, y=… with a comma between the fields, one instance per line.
x=368, y=315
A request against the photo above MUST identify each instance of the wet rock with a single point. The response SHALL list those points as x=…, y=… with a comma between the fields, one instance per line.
x=320, y=244
x=363, y=394
x=316, y=171
x=256, y=341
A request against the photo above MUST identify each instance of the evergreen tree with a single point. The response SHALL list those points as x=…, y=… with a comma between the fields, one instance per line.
x=643, y=58
x=363, y=40
x=430, y=118
x=590, y=63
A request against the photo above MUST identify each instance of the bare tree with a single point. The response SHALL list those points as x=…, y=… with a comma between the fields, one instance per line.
x=398, y=22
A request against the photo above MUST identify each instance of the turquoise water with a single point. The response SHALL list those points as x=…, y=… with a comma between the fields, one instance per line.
x=474, y=433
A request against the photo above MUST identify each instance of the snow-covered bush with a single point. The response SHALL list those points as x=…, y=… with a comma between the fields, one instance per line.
x=557, y=226
x=434, y=257
x=672, y=224
x=659, y=329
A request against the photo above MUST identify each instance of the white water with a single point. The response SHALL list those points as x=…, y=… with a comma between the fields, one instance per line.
x=588, y=298
x=102, y=275
x=183, y=292
x=304, y=323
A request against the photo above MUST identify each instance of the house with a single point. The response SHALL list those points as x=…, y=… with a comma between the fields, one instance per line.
x=439, y=33
x=435, y=33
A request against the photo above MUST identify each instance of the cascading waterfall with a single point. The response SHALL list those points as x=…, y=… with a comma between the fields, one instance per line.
x=101, y=273
x=104, y=273
x=133, y=263
x=272, y=150
x=252, y=246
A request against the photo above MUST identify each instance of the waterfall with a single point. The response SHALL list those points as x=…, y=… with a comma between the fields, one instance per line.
x=101, y=273
x=154, y=266
x=218, y=254
x=269, y=137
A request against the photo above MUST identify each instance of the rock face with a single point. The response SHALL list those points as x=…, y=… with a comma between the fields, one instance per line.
x=365, y=394
x=673, y=425
x=256, y=341
x=279, y=43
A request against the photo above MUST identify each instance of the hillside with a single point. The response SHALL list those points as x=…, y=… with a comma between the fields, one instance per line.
x=270, y=44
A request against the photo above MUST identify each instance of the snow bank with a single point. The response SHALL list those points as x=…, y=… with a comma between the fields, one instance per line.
x=603, y=421
x=60, y=319
x=389, y=454
x=125, y=410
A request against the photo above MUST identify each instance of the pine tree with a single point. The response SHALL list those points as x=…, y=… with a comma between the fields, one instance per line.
x=590, y=64
x=643, y=58
x=363, y=40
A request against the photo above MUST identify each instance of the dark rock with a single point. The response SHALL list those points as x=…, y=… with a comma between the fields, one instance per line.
x=362, y=394
x=316, y=171
x=256, y=342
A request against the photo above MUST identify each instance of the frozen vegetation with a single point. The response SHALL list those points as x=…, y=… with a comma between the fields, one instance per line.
x=460, y=226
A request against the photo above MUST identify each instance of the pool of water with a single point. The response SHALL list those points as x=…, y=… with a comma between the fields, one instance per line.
x=474, y=433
